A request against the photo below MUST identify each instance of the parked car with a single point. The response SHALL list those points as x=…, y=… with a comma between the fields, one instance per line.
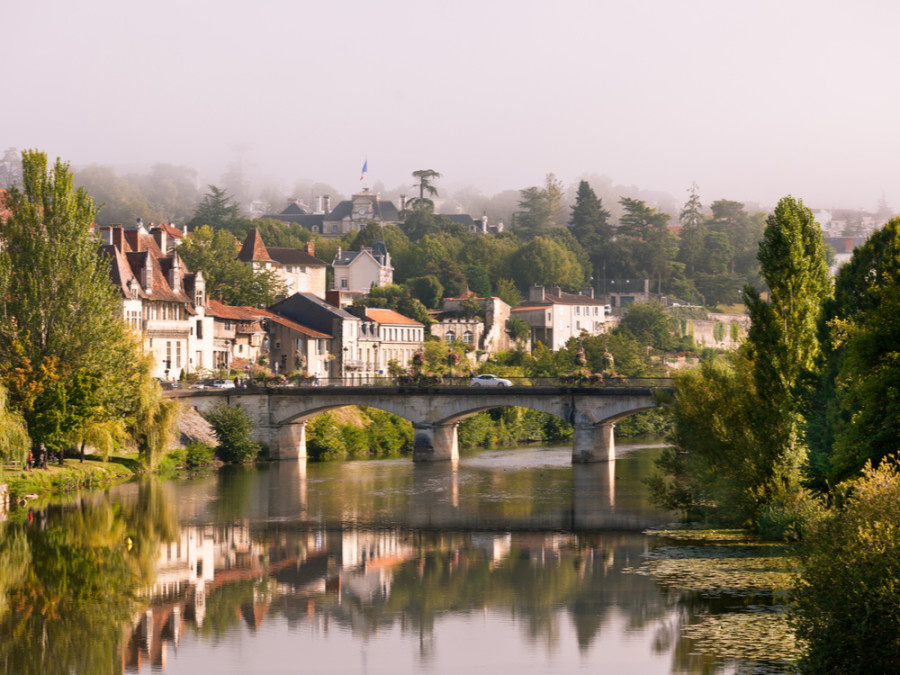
x=489, y=381
x=223, y=384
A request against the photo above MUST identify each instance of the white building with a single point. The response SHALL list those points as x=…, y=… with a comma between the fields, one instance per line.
x=556, y=316
x=358, y=271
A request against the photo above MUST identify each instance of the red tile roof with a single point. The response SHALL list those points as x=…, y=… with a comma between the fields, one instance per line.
x=390, y=316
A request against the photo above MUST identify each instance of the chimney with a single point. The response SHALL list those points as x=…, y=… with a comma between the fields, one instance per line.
x=589, y=292
x=536, y=294
x=319, y=204
x=161, y=239
x=326, y=199
x=337, y=254
x=118, y=238
x=175, y=275
x=147, y=273
x=402, y=202
x=311, y=247
x=556, y=290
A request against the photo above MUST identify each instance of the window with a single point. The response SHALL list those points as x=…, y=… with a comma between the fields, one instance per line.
x=449, y=336
x=467, y=337
x=595, y=310
x=178, y=354
x=199, y=329
x=320, y=346
x=344, y=284
x=577, y=311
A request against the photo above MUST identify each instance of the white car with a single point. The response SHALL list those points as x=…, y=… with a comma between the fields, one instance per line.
x=489, y=381
x=223, y=384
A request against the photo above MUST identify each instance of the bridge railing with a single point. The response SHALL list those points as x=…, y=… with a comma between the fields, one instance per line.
x=446, y=381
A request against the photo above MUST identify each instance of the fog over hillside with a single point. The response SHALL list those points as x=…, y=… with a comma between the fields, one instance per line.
x=751, y=101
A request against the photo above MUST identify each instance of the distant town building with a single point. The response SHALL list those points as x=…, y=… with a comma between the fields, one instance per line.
x=555, y=316
x=358, y=271
x=299, y=270
x=350, y=215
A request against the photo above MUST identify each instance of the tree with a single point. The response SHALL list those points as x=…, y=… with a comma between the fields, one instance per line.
x=508, y=293
x=739, y=425
x=541, y=207
x=543, y=261
x=691, y=249
x=649, y=324
x=233, y=428
x=60, y=320
x=589, y=222
x=426, y=289
x=425, y=178
x=853, y=412
x=783, y=343
x=216, y=210
x=847, y=601
x=13, y=432
x=214, y=253
x=10, y=169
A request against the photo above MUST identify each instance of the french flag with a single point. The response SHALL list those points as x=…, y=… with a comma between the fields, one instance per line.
x=365, y=168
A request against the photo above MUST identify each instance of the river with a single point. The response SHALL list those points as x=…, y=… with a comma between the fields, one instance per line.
x=507, y=560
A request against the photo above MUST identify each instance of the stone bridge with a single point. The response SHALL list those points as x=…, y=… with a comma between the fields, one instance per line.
x=280, y=414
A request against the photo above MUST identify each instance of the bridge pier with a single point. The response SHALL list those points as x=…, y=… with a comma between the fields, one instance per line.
x=288, y=441
x=593, y=443
x=435, y=442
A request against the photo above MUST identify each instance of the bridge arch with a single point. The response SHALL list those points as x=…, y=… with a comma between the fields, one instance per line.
x=281, y=414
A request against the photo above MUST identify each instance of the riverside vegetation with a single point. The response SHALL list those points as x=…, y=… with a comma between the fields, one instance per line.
x=794, y=435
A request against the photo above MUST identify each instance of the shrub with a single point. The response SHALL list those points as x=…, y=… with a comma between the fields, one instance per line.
x=233, y=427
x=847, y=595
x=198, y=454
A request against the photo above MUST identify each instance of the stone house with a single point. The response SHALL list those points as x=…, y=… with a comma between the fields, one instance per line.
x=487, y=333
x=358, y=271
x=556, y=316
x=299, y=271
x=161, y=299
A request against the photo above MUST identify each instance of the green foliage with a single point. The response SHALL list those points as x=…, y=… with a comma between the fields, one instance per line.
x=233, y=428
x=198, y=455
x=218, y=209
x=545, y=262
x=14, y=440
x=67, y=358
x=381, y=435
x=649, y=324
x=508, y=293
x=847, y=599
x=214, y=253
x=853, y=414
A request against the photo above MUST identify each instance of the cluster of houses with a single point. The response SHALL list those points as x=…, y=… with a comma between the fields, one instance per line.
x=312, y=331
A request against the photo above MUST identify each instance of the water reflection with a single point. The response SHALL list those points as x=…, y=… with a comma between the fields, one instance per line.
x=503, y=560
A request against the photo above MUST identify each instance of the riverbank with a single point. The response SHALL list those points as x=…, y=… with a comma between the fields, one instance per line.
x=72, y=475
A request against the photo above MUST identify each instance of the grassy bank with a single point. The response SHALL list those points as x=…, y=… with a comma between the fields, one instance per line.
x=71, y=476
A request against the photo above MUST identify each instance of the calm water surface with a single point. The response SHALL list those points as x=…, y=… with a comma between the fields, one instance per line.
x=507, y=560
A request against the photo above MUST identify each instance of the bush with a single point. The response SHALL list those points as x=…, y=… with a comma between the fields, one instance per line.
x=847, y=595
x=198, y=454
x=233, y=427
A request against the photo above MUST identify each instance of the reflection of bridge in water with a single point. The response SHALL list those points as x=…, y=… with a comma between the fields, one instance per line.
x=280, y=414
x=304, y=547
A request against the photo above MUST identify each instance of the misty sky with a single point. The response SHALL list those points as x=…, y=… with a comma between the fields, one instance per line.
x=752, y=100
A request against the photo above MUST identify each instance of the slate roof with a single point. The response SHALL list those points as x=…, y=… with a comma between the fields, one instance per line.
x=253, y=248
x=461, y=218
x=293, y=325
x=382, y=210
x=294, y=256
x=562, y=298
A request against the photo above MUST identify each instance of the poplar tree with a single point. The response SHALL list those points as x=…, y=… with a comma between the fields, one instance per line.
x=66, y=356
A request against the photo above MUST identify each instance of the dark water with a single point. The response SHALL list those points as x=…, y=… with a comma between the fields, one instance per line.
x=505, y=560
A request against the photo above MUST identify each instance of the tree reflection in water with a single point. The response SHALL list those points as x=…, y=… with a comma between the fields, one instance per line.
x=71, y=581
